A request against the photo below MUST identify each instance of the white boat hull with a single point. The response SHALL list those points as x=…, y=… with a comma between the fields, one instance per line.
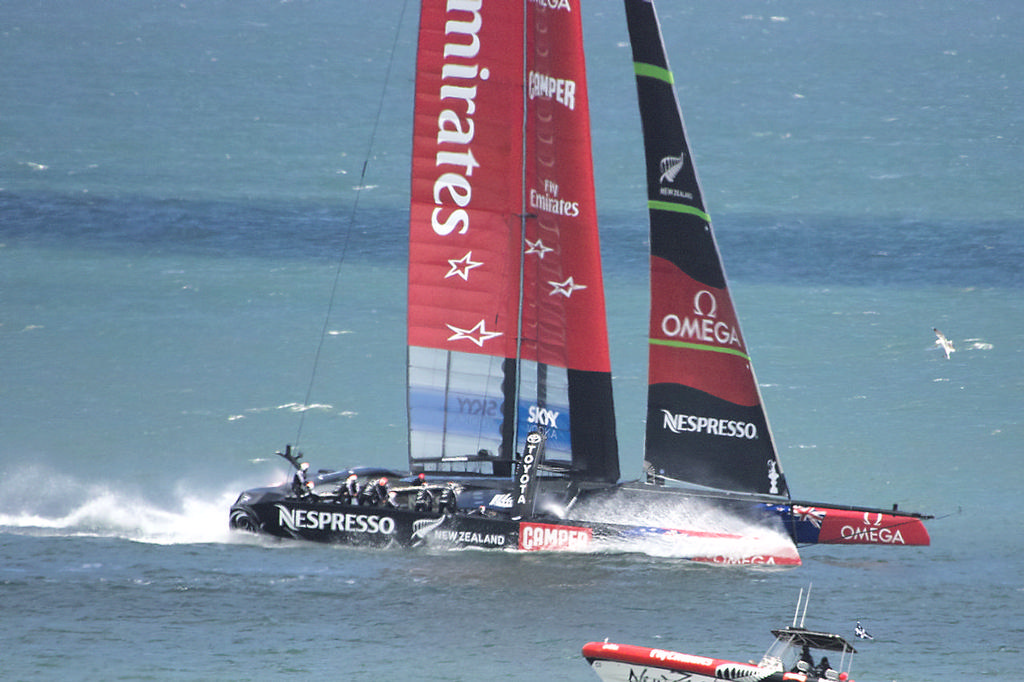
x=616, y=671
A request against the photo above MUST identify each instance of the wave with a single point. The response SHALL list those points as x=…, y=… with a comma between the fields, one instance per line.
x=696, y=528
x=64, y=506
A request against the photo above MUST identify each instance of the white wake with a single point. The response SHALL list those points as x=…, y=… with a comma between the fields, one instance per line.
x=40, y=503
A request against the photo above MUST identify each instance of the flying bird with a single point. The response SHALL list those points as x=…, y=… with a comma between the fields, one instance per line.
x=942, y=342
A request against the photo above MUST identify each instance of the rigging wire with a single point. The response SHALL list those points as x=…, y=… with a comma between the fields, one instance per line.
x=351, y=223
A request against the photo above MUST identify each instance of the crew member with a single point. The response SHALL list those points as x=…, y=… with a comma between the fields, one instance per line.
x=299, y=481
x=424, y=498
x=384, y=495
x=448, y=502
x=368, y=494
x=806, y=659
x=349, y=490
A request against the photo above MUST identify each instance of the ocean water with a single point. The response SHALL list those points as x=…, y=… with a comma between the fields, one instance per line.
x=178, y=183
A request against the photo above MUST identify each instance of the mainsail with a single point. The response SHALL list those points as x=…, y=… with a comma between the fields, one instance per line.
x=705, y=422
x=506, y=321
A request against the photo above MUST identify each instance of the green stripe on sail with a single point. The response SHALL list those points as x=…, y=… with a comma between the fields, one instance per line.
x=699, y=346
x=652, y=71
x=677, y=208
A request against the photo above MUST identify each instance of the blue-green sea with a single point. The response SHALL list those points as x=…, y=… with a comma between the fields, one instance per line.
x=179, y=182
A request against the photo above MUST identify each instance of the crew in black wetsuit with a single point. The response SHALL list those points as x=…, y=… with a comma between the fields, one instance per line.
x=424, y=498
x=805, y=657
x=823, y=667
x=368, y=494
x=300, y=485
x=376, y=493
x=384, y=493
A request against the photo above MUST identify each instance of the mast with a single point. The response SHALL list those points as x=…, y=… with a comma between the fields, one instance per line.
x=509, y=440
x=706, y=425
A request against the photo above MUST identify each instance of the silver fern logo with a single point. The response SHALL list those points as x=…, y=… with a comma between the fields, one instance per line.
x=423, y=527
x=670, y=167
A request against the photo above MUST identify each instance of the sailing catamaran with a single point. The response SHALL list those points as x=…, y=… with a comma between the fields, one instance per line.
x=512, y=438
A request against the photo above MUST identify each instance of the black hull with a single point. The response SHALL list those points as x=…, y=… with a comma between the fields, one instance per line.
x=275, y=512
x=477, y=513
x=599, y=521
x=328, y=521
x=333, y=522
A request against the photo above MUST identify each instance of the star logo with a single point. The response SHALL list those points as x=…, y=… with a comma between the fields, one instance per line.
x=537, y=247
x=462, y=266
x=565, y=288
x=478, y=334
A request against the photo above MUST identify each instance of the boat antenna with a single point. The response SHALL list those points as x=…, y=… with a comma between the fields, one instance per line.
x=800, y=598
x=806, y=602
x=351, y=222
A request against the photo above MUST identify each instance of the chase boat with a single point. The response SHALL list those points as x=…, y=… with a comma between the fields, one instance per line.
x=797, y=654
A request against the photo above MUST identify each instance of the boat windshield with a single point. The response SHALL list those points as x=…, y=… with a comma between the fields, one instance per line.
x=798, y=649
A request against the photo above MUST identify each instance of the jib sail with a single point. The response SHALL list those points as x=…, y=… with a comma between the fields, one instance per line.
x=705, y=422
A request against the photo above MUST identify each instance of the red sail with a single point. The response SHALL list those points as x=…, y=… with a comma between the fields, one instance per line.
x=695, y=337
x=567, y=317
x=504, y=256
x=468, y=192
x=465, y=187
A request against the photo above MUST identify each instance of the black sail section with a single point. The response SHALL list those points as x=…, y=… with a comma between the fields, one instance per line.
x=723, y=465
x=680, y=232
x=595, y=452
x=706, y=425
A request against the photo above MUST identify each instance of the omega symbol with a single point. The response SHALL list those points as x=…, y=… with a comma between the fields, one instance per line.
x=699, y=303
